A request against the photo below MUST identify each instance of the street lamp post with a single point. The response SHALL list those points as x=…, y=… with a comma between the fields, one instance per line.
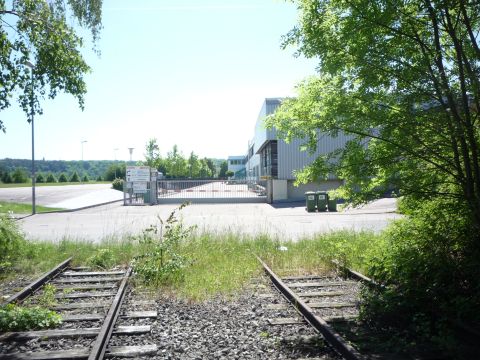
x=115, y=163
x=32, y=113
x=83, y=142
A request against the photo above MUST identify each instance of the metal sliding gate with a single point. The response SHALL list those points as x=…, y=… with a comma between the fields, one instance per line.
x=211, y=191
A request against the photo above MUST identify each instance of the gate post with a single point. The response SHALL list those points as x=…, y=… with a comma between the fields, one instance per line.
x=269, y=191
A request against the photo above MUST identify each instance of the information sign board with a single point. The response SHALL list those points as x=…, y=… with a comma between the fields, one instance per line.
x=138, y=173
x=139, y=187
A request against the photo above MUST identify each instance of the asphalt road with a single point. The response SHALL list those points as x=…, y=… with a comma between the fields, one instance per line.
x=67, y=196
x=283, y=221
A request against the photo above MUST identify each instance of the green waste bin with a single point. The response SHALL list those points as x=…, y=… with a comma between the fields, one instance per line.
x=322, y=199
x=332, y=204
x=311, y=200
x=146, y=197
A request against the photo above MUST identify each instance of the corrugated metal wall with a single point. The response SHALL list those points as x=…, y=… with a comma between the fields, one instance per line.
x=291, y=158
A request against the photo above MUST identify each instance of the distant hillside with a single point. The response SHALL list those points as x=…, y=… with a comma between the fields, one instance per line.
x=91, y=168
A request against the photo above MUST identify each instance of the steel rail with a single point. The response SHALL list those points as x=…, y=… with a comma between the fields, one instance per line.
x=100, y=345
x=29, y=289
x=346, y=350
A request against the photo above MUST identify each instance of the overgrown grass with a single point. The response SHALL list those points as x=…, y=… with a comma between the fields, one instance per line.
x=18, y=208
x=219, y=264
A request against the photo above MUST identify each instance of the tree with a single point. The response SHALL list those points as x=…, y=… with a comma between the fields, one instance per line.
x=38, y=31
x=152, y=154
x=7, y=178
x=223, y=169
x=115, y=171
x=85, y=178
x=194, y=165
x=75, y=177
x=176, y=165
x=19, y=176
x=402, y=79
x=40, y=178
x=62, y=178
x=51, y=178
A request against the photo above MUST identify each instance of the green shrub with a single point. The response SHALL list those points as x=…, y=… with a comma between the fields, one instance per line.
x=17, y=318
x=75, y=177
x=430, y=267
x=7, y=178
x=51, y=178
x=85, y=178
x=117, y=184
x=19, y=176
x=103, y=259
x=40, y=178
x=163, y=262
x=62, y=178
x=99, y=178
x=11, y=241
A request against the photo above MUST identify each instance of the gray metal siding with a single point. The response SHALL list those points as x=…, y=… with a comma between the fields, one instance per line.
x=291, y=158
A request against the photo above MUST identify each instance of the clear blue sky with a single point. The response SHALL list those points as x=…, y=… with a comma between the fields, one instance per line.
x=192, y=73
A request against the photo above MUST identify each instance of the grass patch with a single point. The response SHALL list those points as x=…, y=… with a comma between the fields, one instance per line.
x=29, y=184
x=19, y=208
x=218, y=264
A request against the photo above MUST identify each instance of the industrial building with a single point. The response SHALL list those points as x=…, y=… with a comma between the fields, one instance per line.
x=269, y=157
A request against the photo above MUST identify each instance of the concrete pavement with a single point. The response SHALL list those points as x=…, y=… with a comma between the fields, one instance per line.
x=63, y=196
x=284, y=221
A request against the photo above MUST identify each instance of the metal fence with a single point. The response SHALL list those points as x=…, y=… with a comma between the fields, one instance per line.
x=171, y=191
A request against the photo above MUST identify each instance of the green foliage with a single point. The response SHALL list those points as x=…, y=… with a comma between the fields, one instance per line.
x=11, y=241
x=163, y=263
x=40, y=31
x=40, y=178
x=229, y=173
x=115, y=171
x=51, y=178
x=62, y=178
x=103, y=259
x=117, y=184
x=85, y=178
x=19, y=176
x=75, y=177
x=47, y=298
x=7, y=178
x=429, y=267
x=99, y=178
x=223, y=170
x=18, y=318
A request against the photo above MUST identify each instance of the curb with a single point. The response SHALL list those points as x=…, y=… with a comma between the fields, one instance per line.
x=70, y=210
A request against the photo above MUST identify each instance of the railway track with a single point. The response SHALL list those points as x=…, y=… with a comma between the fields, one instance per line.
x=95, y=315
x=321, y=302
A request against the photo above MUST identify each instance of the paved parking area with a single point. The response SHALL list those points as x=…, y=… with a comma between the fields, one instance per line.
x=284, y=221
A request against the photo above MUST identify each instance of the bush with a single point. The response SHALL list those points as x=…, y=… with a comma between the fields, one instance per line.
x=85, y=178
x=19, y=176
x=118, y=184
x=40, y=178
x=51, y=178
x=430, y=267
x=7, y=178
x=62, y=178
x=99, y=178
x=103, y=259
x=10, y=242
x=75, y=177
x=17, y=318
x=163, y=263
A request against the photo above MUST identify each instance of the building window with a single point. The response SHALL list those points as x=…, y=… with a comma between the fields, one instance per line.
x=269, y=159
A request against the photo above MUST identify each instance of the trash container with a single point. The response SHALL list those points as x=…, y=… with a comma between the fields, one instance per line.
x=332, y=204
x=311, y=200
x=322, y=199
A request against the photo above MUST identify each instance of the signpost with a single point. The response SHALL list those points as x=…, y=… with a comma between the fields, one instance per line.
x=139, y=184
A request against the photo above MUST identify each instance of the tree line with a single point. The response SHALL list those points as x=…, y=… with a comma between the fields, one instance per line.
x=176, y=165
